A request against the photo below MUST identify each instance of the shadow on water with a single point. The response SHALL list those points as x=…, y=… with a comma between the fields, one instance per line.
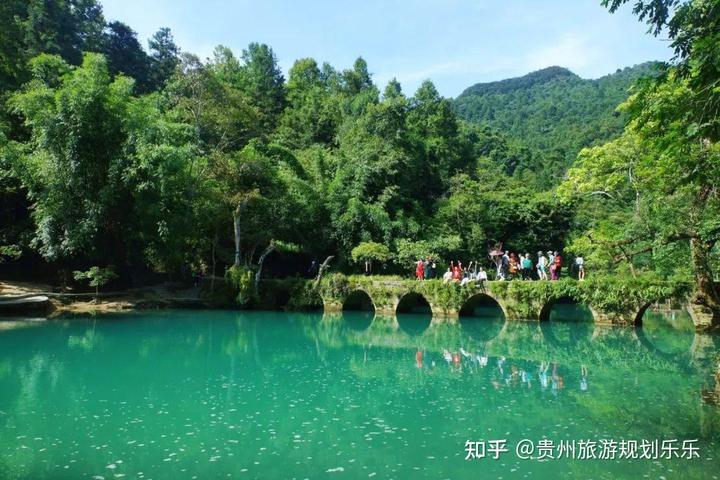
x=568, y=323
x=414, y=314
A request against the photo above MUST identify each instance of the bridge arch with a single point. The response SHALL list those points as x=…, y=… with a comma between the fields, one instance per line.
x=416, y=306
x=413, y=302
x=480, y=300
x=546, y=310
x=358, y=300
x=638, y=318
x=482, y=317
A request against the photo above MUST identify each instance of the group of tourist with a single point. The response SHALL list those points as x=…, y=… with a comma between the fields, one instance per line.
x=508, y=266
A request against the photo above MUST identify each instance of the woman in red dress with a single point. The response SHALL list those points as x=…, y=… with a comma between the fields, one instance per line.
x=420, y=270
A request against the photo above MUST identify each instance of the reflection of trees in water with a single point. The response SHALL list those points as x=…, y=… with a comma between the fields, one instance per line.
x=88, y=341
x=603, y=346
x=238, y=341
x=38, y=374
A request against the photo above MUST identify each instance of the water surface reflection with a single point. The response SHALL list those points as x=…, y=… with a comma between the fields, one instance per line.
x=269, y=394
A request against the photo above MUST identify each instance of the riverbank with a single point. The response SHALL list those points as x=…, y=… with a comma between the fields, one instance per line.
x=20, y=296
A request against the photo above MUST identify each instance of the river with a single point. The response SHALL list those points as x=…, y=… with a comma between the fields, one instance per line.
x=227, y=394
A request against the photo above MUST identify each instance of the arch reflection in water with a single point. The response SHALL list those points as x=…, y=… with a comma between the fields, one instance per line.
x=668, y=334
x=481, y=318
x=414, y=314
x=358, y=320
x=565, y=322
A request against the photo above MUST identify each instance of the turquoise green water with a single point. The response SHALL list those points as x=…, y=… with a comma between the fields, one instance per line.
x=184, y=394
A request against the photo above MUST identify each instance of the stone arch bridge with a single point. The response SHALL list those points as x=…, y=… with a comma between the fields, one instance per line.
x=616, y=302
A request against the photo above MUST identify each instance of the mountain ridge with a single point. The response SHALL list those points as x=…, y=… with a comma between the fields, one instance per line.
x=553, y=112
x=531, y=78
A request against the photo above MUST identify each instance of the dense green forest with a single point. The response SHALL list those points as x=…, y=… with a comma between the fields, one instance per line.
x=157, y=161
x=552, y=114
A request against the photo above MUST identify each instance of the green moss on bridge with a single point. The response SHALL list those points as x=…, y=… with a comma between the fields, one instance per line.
x=612, y=301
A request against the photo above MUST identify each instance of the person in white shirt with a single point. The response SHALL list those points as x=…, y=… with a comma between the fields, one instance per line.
x=542, y=266
x=482, y=276
x=580, y=264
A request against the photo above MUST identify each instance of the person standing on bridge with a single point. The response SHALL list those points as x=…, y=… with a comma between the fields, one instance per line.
x=419, y=270
x=580, y=264
x=551, y=265
x=456, y=270
x=513, y=267
x=526, y=267
x=558, y=265
x=481, y=277
x=542, y=266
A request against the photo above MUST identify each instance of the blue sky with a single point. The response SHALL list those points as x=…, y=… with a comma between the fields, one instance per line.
x=455, y=43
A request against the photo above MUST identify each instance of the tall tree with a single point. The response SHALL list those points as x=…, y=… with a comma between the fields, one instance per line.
x=312, y=114
x=125, y=55
x=164, y=57
x=110, y=176
x=263, y=81
x=74, y=162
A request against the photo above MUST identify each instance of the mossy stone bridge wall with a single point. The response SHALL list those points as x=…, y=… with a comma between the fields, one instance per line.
x=612, y=302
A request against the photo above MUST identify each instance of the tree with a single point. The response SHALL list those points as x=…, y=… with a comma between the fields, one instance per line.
x=96, y=276
x=408, y=252
x=61, y=27
x=263, y=82
x=692, y=26
x=206, y=96
x=125, y=55
x=72, y=165
x=312, y=115
x=369, y=252
x=164, y=58
x=676, y=118
x=28, y=28
x=111, y=176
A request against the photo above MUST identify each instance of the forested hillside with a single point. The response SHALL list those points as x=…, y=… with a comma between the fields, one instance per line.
x=154, y=160
x=552, y=112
